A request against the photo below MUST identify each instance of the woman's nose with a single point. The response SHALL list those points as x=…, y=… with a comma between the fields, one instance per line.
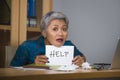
x=60, y=32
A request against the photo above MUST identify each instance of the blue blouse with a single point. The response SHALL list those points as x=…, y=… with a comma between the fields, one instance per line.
x=29, y=49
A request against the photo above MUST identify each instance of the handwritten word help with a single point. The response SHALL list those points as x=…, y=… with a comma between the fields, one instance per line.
x=59, y=55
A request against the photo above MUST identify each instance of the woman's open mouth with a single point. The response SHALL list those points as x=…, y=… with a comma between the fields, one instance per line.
x=59, y=40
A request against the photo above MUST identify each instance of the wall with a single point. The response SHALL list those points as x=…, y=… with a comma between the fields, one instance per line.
x=94, y=26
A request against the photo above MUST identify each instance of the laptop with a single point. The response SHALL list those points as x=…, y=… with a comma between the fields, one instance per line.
x=116, y=59
x=115, y=62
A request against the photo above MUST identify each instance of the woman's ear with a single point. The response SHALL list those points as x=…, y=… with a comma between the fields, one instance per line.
x=44, y=34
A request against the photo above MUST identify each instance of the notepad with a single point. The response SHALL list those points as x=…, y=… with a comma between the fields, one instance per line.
x=59, y=55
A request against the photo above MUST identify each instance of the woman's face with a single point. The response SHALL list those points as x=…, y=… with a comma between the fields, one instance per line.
x=56, y=33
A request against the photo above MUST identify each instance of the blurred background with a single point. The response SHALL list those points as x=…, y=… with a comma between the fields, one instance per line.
x=94, y=26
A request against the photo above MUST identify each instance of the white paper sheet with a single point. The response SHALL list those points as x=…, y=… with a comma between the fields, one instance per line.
x=67, y=67
x=60, y=55
x=22, y=68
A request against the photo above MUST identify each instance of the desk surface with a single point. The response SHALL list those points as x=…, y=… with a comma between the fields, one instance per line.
x=13, y=74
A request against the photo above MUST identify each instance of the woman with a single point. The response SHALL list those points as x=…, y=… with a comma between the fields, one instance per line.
x=54, y=29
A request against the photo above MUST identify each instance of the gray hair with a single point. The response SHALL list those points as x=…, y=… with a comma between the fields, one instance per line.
x=45, y=21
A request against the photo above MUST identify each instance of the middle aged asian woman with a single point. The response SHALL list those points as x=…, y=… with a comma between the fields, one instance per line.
x=54, y=30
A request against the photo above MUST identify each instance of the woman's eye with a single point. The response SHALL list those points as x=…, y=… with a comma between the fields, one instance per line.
x=55, y=29
x=64, y=29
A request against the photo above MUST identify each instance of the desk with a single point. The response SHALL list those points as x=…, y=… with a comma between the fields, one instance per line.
x=16, y=74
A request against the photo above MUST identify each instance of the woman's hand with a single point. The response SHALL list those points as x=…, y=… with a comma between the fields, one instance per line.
x=41, y=59
x=78, y=60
